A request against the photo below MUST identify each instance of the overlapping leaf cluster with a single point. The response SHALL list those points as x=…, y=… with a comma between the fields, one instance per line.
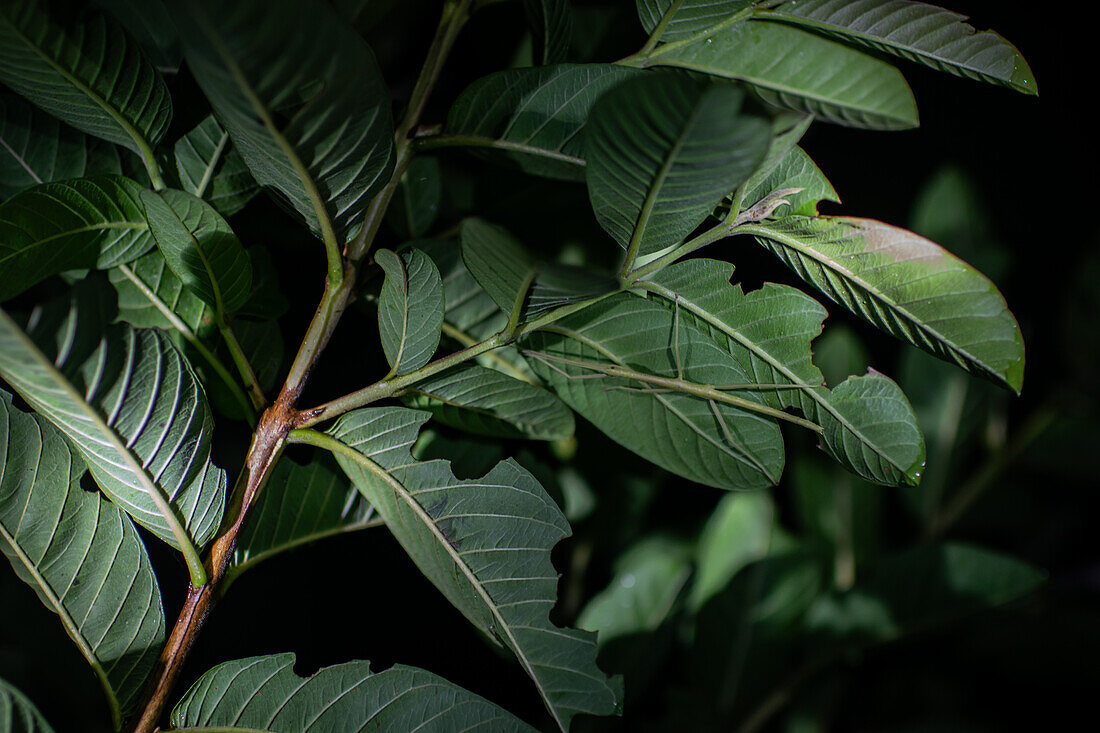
x=165, y=316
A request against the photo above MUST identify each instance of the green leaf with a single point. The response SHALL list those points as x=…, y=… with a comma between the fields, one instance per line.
x=84, y=70
x=148, y=291
x=416, y=200
x=738, y=532
x=299, y=505
x=497, y=262
x=923, y=587
x=18, y=714
x=210, y=168
x=84, y=223
x=36, y=148
x=311, y=119
x=715, y=444
x=410, y=308
x=80, y=553
x=148, y=22
x=907, y=286
x=485, y=543
x=264, y=694
x=799, y=70
x=647, y=581
x=795, y=170
x=869, y=425
x=551, y=23
x=487, y=402
x=536, y=116
x=131, y=404
x=686, y=18
x=916, y=31
x=200, y=248
x=663, y=150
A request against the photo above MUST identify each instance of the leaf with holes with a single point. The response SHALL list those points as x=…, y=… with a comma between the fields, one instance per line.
x=916, y=31
x=487, y=402
x=130, y=402
x=209, y=167
x=663, y=150
x=311, y=120
x=535, y=117
x=907, y=286
x=869, y=425
x=708, y=442
x=36, y=148
x=263, y=693
x=85, y=71
x=485, y=543
x=800, y=70
x=201, y=249
x=88, y=222
x=795, y=170
x=410, y=308
x=80, y=553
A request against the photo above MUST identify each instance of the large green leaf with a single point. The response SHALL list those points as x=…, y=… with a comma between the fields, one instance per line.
x=130, y=403
x=87, y=222
x=36, y=148
x=869, y=425
x=712, y=443
x=535, y=116
x=921, y=588
x=201, y=249
x=310, y=118
x=647, y=581
x=299, y=505
x=485, y=543
x=916, y=31
x=410, y=308
x=906, y=285
x=263, y=694
x=80, y=553
x=551, y=23
x=685, y=18
x=800, y=70
x=18, y=714
x=795, y=170
x=83, y=69
x=148, y=291
x=210, y=168
x=484, y=401
x=663, y=150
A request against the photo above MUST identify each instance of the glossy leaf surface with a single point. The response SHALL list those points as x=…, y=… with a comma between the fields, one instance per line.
x=85, y=71
x=907, y=286
x=662, y=151
x=80, y=553
x=130, y=403
x=919, y=32
x=799, y=70
x=485, y=543
x=264, y=694
x=311, y=120
x=84, y=223
x=410, y=309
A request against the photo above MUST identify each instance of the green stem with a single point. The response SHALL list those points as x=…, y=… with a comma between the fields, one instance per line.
x=501, y=363
x=243, y=366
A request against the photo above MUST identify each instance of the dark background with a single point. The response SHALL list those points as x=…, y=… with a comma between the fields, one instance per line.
x=1035, y=664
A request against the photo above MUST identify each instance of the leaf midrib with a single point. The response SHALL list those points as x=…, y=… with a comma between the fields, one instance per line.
x=70, y=232
x=810, y=389
x=788, y=241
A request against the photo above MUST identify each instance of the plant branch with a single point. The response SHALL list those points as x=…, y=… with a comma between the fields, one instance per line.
x=506, y=366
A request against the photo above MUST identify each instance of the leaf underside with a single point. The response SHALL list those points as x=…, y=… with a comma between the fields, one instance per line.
x=410, y=308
